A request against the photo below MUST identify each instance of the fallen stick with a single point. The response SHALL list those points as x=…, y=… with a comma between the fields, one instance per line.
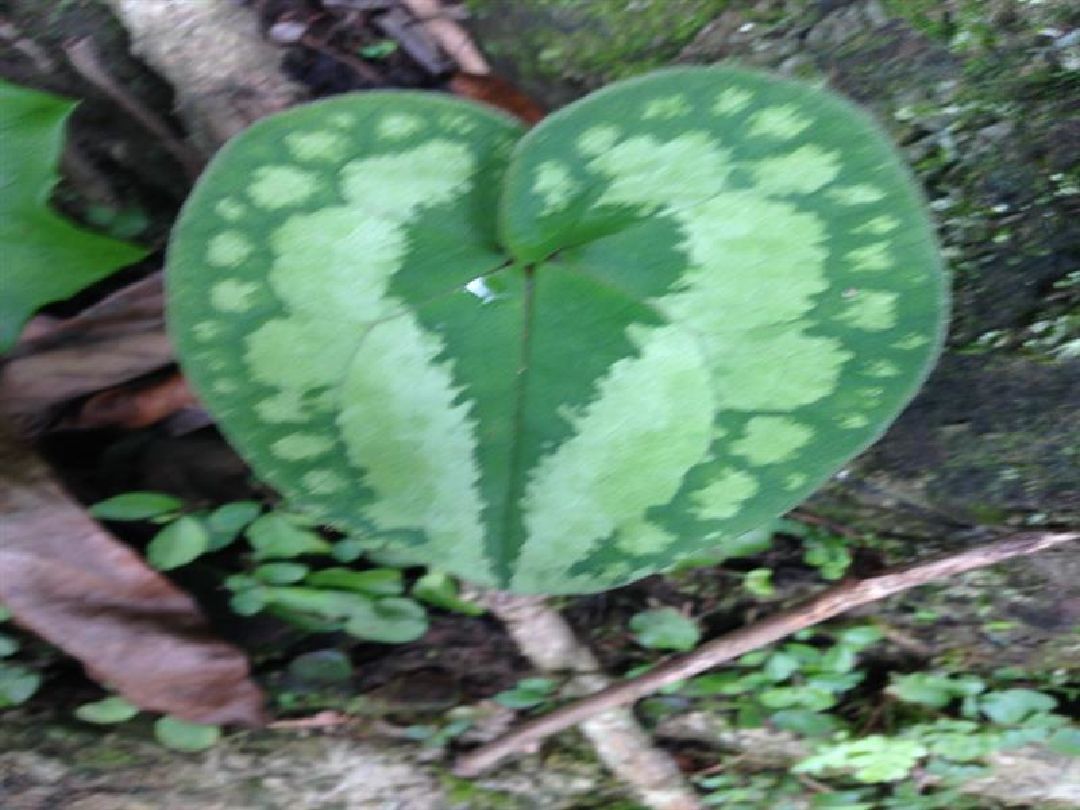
x=835, y=600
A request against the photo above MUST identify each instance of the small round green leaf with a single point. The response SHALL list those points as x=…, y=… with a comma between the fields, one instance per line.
x=392, y=620
x=321, y=667
x=182, y=541
x=376, y=582
x=665, y=629
x=107, y=711
x=247, y=602
x=332, y=605
x=280, y=573
x=759, y=582
x=180, y=735
x=527, y=693
x=17, y=684
x=226, y=522
x=557, y=362
x=8, y=645
x=440, y=590
x=273, y=535
x=803, y=722
x=136, y=506
x=1011, y=706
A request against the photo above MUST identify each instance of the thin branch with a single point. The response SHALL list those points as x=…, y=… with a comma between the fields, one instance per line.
x=831, y=602
x=544, y=637
x=452, y=38
x=82, y=55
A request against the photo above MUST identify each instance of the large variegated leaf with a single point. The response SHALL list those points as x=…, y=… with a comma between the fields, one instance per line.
x=558, y=362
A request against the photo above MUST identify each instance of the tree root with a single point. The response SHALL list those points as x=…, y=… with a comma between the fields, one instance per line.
x=548, y=642
x=225, y=74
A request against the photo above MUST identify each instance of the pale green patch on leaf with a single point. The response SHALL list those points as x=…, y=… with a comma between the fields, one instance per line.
x=45, y=258
x=871, y=310
x=281, y=186
x=228, y=249
x=399, y=126
x=554, y=184
x=769, y=439
x=316, y=145
x=230, y=209
x=860, y=194
x=231, y=296
x=778, y=122
x=870, y=257
x=722, y=497
x=732, y=100
x=597, y=140
x=670, y=107
x=560, y=361
x=801, y=171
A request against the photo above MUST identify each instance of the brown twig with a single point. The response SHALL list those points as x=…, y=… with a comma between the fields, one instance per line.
x=82, y=55
x=831, y=602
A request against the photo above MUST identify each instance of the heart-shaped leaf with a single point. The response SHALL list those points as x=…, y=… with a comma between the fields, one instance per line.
x=559, y=362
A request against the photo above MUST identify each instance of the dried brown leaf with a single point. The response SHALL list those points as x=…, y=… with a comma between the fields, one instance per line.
x=498, y=93
x=135, y=405
x=117, y=340
x=66, y=579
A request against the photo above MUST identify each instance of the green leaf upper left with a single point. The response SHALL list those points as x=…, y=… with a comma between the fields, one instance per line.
x=46, y=258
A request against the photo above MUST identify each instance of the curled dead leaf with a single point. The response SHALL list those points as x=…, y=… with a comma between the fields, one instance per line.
x=498, y=93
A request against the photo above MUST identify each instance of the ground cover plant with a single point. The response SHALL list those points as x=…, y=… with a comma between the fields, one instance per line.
x=557, y=362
